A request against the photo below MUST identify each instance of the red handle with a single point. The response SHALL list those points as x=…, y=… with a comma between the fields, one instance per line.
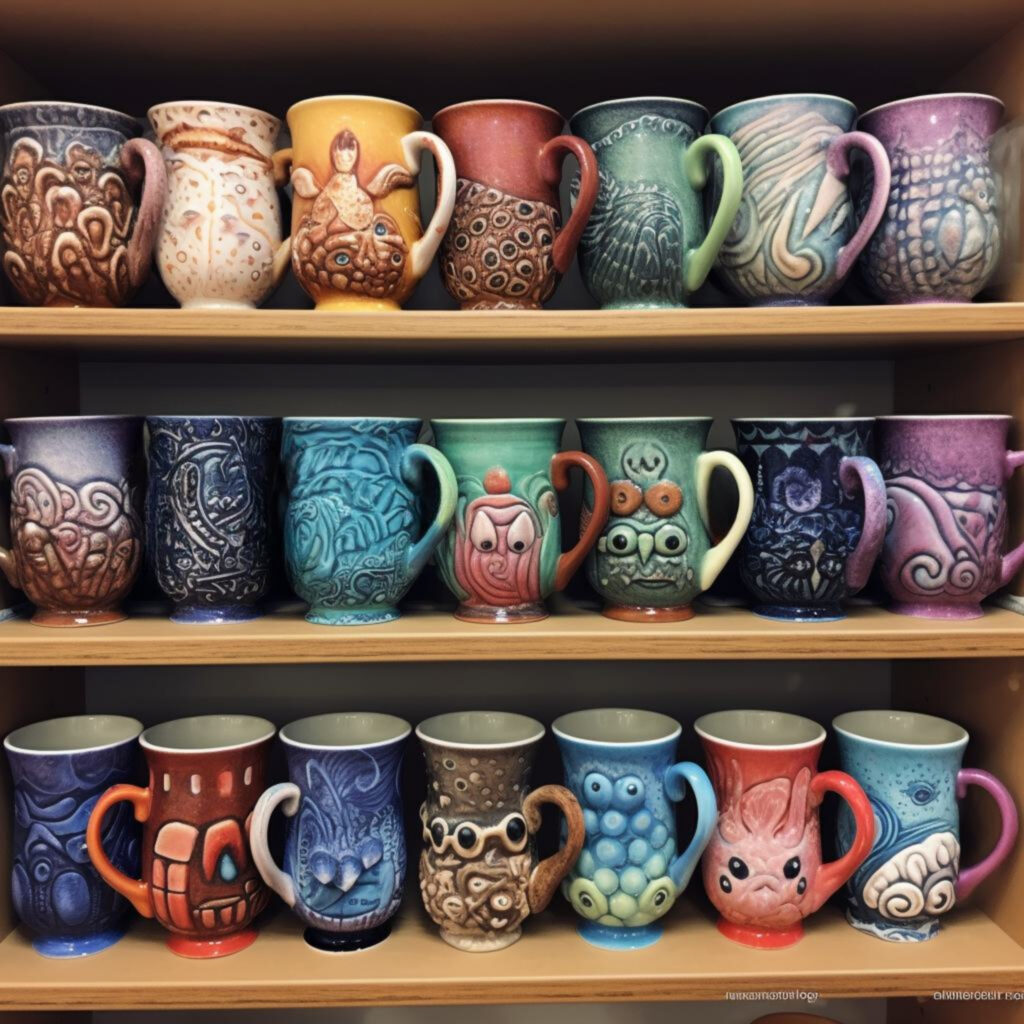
x=835, y=873
x=571, y=560
x=568, y=238
x=132, y=889
x=141, y=159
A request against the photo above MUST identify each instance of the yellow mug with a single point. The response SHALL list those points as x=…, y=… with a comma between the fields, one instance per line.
x=357, y=242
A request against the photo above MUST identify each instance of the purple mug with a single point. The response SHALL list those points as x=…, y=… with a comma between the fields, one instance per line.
x=945, y=481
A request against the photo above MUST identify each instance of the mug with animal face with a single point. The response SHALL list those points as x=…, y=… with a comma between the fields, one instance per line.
x=502, y=555
x=357, y=242
x=479, y=873
x=910, y=766
x=198, y=877
x=344, y=855
x=620, y=763
x=819, y=514
x=763, y=869
x=80, y=203
x=654, y=555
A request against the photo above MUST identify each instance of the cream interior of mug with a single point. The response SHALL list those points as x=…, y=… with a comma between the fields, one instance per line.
x=902, y=727
x=74, y=733
x=345, y=729
x=207, y=732
x=759, y=728
x=480, y=729
x=616, y=725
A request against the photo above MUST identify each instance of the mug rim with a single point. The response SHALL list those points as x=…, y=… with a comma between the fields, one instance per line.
x=935, y=96
x=602, y=420
x=788, y=96
x=803, y=419
x=525, y=720
x=560, y=729
x=353, y=96
x=847, y=730
x=497, y=99
x=481, y=420
x=181, y=417
x=213, y=103
x=641, y=99
x=347, y=419
x=146, y=743
x=24, y=104
x=128, y=723
x=950, y=416
x=74, y=419
x=702, y=729
x=402, y=727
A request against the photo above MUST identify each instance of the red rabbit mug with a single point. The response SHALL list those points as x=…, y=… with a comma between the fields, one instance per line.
x=198, y=876
x=763, y=869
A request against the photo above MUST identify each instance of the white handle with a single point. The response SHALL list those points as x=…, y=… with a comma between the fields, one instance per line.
x=289, y=794
x=413, y=145
x=716, y=557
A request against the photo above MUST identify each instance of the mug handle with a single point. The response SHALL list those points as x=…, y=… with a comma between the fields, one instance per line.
x=546, y=876
x=971, y=877
x=698, y=261
x=8, y=566
x=132, y=889
x=836, y=872
x=140, y=159
x=281, y=162
x=675, y=779
x=838, y=162
x=1012, y=561
x=715, y=558
x=291, y=796
x=858, y=471
x=413, y=461
x=566, y=240
x=569, y=561
x=413, y=144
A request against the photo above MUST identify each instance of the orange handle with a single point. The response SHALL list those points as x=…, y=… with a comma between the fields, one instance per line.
x=564, y=249
x=546, y=876
x=834, y=874
x=571, y=560
x=132, y=889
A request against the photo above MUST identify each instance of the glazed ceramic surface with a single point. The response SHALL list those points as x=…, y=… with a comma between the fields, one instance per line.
x=910, y=767
x=357, y=241
x=945, y=480
x=352, y=540
x=76, y=515
x=80, y=201
x=763, y=869
x=220, y=233
x=344, y=855
x=59, y=769
x=479, y=874
x=621, y=765
x=502, y=555
x=505, y=247
x=819, y=514
x=645, y=244
x=654, y=555
x=795, y=237
x=208, y=512
x=198, y=877
x=939, y=239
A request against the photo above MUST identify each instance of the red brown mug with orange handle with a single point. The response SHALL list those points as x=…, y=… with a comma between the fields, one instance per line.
x=198, y=876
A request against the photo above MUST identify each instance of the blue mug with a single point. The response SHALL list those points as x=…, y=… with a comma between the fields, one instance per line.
x=344, y=856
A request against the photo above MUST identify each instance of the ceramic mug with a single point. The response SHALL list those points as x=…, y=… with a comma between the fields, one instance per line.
x=819, y=514
x=505, y=247
x=219, y=244
x=59, y=769
x=946, y=486
x=76, y=515
x=910, y=767
x=763, y=869
x=352, y=541
x=344, y=855
x=479, y=874
x=795, y=237
x=620, y=764
x=654, y=556
x=939, y=240
x=646, y=244
x=80, y=202
x=356, y=238
x=502, y=555
x=198, y=878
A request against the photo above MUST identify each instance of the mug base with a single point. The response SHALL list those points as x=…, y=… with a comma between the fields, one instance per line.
x=481, y=943
x=761, y=938
x=71, y=620
x=346, y=942
x=349, y=304
x=217, y=304
x=927, y=610
x=607, y=937
x=487, y=615
x=498, y=304
x=635, y=305
x=799, y=613
x=352, y=616
x=214, y=616
x=82, y=945
x=787, y=303
x=211, y=949
x=641, y=613
x=911, y=933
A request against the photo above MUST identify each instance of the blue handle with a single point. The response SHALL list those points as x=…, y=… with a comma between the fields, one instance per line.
x=675, y=781
x=415, y=458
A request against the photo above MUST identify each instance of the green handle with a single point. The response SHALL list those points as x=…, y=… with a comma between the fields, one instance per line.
x=415, y=458
x=698, y=261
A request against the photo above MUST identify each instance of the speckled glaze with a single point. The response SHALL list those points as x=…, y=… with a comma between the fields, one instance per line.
x=945, y=480
x=939, y=239
x=909, y=765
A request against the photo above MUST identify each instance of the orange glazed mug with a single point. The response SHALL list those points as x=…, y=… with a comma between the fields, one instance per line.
x=198, y=876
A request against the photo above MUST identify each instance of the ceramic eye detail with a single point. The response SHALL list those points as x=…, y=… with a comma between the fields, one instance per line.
x=920, y=793
x=725, y=884
x=657, y=897
x=626, y=498
x=482, y=533
x=792, y=867
x=628, y=793
x=597, y=791
x=521, y=534
x=664, y=498
x=438, y=833
x=670, y=540
x=587, y=899
x=620, y=540
x=738, y=869
x=466, y=838
x=516, y=831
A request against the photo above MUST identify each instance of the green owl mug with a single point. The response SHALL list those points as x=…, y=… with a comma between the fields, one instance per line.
x=655, y=554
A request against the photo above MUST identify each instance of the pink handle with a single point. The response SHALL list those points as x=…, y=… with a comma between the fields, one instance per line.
x=860, y=471
x=977, y=873
x=1013, y=560
x=568, y=238
x=839, y=164
x=142, y=160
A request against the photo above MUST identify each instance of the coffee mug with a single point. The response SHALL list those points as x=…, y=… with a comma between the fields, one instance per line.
x=219, y=244
x=198, y=878
x=479, y=874
x=795, y=237
x=59, y=769
x=352, y=541
x=910, y=767
x=344, y=855
x=763, y=869
x=654, y=556
x=80, y=202
x=646, y=244
x=502, y=555
x=945, y=481
x=620, y=763
x=356, y=239
x=76, y=515
x=819, y=514
x=505, y=247
x=939, y=239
